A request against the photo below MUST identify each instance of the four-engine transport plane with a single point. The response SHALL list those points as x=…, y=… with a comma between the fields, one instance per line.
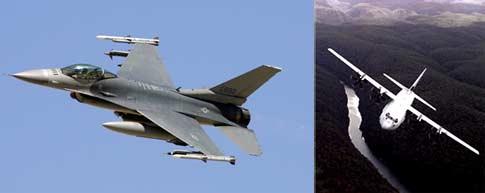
x=394, y=112
x=142, y=94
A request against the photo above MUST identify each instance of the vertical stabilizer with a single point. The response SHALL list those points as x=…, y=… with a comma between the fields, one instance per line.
x=418, y=97
x=417, y=80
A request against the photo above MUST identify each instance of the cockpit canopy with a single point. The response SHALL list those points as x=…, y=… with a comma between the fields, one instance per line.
x=86, y=72
x=388, y=116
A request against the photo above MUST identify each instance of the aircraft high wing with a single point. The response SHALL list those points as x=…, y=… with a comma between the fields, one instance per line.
x=363, y=76
x=440, y=129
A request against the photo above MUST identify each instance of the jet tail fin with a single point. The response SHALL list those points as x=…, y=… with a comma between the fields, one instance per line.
x=245, y=84
x=244, y=138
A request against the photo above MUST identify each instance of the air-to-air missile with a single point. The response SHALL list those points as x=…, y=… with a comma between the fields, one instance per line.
x=130, y=40
x=184, y=154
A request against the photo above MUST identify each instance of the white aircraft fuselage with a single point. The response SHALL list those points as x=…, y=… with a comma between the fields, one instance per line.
x=394, y=113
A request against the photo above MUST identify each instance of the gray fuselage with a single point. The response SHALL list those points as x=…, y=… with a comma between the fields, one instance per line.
x=124, y=96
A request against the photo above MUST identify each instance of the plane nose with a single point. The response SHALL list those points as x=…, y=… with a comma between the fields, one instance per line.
x=386, y=125
x=33, y=76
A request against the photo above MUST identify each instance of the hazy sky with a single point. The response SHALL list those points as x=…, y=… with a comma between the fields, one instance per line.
x=52, y=143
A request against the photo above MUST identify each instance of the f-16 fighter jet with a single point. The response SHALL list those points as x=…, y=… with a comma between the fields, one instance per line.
x=149, y=105
x=394, y=112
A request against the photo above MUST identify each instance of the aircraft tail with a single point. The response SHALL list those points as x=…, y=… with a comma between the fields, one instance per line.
x=423, y=101
x=411, y=88
x=245, y=84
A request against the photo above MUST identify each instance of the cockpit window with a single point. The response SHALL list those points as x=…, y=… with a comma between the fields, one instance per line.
x=87, y=72
x=388, y=116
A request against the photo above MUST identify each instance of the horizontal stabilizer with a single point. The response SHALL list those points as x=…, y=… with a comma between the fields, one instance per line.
x=414, y=85
x=245, y=84
x=244, y=138
x=424, y=102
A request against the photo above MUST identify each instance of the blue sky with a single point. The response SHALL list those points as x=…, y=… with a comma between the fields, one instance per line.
x=51, y=143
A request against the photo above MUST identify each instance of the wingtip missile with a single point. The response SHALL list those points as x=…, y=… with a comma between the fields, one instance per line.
x=129, y=39
x=184, y=154
x=276, y=68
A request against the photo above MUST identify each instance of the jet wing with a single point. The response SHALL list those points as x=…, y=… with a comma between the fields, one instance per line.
x=185, y=128
x=440, y=129
x=143, y=64
x=363, y=76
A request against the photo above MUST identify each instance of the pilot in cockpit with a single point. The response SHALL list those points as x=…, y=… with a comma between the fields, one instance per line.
x=86, y=72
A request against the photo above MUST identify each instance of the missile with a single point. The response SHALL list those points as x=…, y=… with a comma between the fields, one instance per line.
x=138, y=129
x=184, y=154
x=130, y=40
x=119, y=53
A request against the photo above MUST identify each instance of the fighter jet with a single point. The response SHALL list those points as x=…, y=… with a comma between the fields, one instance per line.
x=150, y=106
x=394, y=112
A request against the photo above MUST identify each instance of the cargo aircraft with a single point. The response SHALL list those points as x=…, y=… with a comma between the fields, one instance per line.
x=394, y=112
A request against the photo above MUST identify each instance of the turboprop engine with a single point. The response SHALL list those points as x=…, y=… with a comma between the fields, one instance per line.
x=357, y=82
x=376, y=96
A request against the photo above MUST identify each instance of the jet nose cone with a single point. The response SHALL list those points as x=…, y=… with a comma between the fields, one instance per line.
x=33, y=76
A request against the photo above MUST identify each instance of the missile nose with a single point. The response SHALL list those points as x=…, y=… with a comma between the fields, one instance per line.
x=33, y=76
x=111, y=125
